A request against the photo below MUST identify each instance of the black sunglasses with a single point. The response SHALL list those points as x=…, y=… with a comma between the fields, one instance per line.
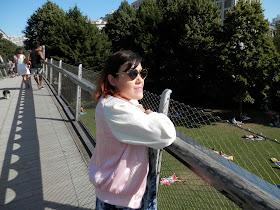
x=133, y=73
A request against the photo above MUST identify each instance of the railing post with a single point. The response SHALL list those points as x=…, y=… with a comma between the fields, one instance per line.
x=44, y=53
x=47, y=69
x=44, y=50
x=4, y=70
x=51, y=74
x=59, y=80
x=163, y=108
x=79, y=91
x=1, y=74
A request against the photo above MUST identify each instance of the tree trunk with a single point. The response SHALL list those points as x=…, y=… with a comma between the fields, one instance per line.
x=240, y=110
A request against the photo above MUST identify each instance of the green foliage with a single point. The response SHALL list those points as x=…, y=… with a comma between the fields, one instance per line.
x=68, y=36
x=146, y=35
x=83, y=42
x=118, y=27
x=7, y=49
x=248, y=53
x=146, y=27
x=45, y=27
x=182, y=44
x=176, y=39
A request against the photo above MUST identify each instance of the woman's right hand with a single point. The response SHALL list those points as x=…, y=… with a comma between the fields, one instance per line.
x=148, y=111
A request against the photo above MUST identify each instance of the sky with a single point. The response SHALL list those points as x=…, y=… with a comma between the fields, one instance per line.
x=15, y=13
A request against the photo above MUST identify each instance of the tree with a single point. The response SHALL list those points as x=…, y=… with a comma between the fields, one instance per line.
x=45, y=27
x=68, y=36
x=7, y=48
x=83, y=42
x=187, y=46
x=118, y=27
x=145, y=33
x=176, y=39
x=248, y=53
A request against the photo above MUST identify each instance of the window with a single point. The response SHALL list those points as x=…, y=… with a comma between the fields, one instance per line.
x=227, y=3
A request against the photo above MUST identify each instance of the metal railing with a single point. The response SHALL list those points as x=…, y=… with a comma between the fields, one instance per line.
x=3, y=71
x=208, y=180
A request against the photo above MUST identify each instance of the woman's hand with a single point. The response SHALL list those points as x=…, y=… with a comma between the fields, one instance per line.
x=148, y=111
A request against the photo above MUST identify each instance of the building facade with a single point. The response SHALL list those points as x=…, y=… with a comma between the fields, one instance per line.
x=100, y=23
x=276, y=20
x=137, y=4
x=273, y=24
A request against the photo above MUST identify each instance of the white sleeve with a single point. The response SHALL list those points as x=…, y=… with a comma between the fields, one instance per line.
x=132, y=126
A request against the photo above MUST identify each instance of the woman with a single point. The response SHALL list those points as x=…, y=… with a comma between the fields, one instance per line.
x=21, y=68
x=124, y=132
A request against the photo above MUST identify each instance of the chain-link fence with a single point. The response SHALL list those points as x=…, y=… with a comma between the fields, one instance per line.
x=247, y=148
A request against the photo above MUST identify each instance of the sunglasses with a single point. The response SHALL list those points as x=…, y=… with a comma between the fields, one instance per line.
x=133, y=73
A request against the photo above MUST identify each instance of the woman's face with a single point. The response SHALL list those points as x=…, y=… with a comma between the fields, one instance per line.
x=127, y=88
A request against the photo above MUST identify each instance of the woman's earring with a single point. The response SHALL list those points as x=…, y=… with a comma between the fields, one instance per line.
x=115, y=88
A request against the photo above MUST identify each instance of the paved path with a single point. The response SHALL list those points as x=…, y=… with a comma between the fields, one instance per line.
x=40, y=165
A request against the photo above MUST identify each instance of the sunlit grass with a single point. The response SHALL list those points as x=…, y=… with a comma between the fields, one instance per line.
x=195, y=193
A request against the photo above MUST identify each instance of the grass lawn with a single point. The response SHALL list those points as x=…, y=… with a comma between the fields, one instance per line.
x=195, y=193
x=251, y=155
x=89, y=120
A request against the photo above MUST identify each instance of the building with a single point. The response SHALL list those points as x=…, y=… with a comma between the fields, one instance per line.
x=226, y=5
x=272, y=25
x=100, y=23
x=137, y=4
x=276, y=20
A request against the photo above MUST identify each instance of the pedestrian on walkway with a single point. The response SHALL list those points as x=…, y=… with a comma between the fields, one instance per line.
x=20, y=67
x=11, y=72
x=124, y=133
x=36, y=56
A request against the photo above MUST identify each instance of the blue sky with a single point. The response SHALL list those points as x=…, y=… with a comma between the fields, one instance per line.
x=15, y=13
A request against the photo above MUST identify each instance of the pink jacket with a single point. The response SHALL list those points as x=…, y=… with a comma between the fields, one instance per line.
x=119, y=164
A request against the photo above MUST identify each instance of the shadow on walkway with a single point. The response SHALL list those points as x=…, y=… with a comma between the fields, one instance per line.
x=21, y=184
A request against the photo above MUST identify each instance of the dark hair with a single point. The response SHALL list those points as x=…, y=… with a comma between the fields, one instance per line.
x=18, y=51
x=115, y=61
x=37, y=46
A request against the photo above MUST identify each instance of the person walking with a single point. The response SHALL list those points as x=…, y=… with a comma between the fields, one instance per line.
x=11, y=72
x=36, y=56
x=125, y=131
x=20, y=66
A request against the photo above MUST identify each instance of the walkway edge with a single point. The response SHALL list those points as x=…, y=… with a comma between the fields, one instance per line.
x=83, y=139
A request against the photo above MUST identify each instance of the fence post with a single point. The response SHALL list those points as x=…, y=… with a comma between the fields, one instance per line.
x=163, y=108
x=79, y=91
x=51, y=74
x=59, y=79
x=44, y=53
x=4, y=70
x=47, y=70
x=1, y=74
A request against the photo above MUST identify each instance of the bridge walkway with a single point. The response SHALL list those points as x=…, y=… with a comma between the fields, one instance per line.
x=40, y=165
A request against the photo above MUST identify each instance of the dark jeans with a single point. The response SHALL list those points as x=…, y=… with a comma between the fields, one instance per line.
x=100, y=205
